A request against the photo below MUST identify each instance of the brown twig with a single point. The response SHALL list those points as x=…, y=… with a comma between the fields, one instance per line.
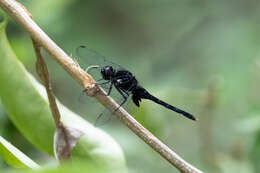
x=62, y=134
x=42, y=71
x=87, y=82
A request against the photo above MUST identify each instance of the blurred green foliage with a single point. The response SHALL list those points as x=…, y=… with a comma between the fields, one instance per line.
x=202, y=56
x=66, y=168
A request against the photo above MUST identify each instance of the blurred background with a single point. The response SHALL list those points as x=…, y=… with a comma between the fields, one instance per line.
x=201, y=56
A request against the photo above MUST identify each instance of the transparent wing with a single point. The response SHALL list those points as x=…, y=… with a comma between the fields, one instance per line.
x=88, y=57
x=107, y=117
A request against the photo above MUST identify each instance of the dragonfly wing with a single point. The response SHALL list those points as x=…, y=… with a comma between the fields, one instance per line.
x=88, y=57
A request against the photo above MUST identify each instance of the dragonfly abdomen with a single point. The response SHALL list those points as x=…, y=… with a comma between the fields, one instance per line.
x=141, y=93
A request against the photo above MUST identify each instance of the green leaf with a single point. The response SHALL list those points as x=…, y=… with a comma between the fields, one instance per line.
x=78, y=167
x=15, y=157
x=3, y=19
x=26, y=103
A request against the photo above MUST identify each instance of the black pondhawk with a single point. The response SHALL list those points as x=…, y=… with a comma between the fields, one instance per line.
x=127, y=85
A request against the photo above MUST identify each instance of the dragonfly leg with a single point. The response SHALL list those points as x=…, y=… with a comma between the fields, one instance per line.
x=124, y=97
x=103, y=84
x=110, y=89
x=90, y=67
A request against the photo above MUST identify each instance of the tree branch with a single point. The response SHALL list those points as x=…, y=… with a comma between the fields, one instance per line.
x=19, y=13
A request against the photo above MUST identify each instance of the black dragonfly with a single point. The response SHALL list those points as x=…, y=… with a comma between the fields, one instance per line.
x=127, y=85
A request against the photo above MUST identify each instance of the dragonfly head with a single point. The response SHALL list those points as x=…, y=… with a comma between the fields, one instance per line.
x=107, y=72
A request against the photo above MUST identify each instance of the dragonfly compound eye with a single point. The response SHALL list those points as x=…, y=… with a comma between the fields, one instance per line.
x=107, y=72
